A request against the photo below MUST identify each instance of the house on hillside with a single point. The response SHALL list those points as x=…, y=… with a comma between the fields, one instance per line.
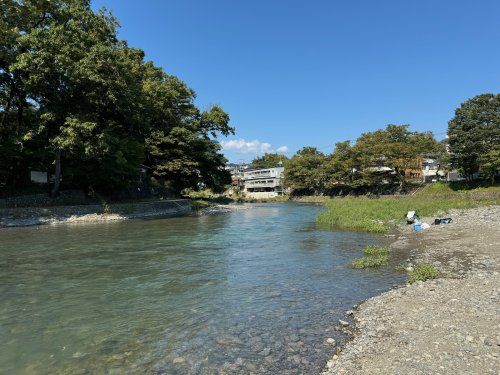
x=263, y=183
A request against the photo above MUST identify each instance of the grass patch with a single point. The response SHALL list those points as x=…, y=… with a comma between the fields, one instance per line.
x=375, y=256
x=458, y=187
x=370, y=261
x=422, y=272
x=372, y=250
x=401, y=267
x=376, y=215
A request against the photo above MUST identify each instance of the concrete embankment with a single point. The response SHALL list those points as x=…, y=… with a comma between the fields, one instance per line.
x=450, y=325
x=28, y=216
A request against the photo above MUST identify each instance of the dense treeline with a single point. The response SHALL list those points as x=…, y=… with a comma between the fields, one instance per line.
x=383, y=159
x=81, y=104
x=387, y=160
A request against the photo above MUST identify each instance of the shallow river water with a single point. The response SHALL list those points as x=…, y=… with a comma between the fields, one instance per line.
x=255, y=290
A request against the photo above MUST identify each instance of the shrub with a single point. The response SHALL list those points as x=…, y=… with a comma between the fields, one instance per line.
x=422, y=272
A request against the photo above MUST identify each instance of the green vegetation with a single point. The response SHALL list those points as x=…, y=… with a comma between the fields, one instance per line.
x=370, y=261
x=85, y=107
x=422, y=272
x=304, y=174
x=458, y=187
x=372, y=250
x=401, y=267
x=474, y=136
x=269, y=160
x=388, y=160
x=380, y=161
x=81, y=104
x=375, y=256
x=378, y=214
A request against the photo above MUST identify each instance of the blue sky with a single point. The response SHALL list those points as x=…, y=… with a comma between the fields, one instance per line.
x=311, y=73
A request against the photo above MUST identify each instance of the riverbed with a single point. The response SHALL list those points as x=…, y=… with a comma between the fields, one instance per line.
x=253, y=290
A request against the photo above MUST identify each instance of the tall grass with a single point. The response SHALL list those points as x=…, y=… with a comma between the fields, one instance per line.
x=377, y=215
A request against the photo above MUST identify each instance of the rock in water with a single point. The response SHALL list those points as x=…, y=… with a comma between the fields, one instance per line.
x=179, y=360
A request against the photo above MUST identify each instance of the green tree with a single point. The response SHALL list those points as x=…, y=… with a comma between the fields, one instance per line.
x=76, y=100
x=17, y=112
x=473, y=132
x=269, y=160
x=489, y=163
x=342, y=170
x=395, y=148
x=84, y=83
x=304, y=172
x=181, y=147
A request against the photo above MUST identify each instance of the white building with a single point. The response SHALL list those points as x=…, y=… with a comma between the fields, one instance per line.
x=263, y=183
x=430, y=170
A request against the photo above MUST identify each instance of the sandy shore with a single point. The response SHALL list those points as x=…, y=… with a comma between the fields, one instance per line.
x=446, y=326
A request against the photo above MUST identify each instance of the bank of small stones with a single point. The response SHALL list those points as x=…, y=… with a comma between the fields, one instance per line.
x=448, y=326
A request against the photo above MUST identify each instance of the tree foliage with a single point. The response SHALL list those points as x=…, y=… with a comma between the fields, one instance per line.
x=383, y=157
x=76, y=100
x=474, y=132
x=269, y=160
x=489, y=163
x=395, y=148
x=304, y=172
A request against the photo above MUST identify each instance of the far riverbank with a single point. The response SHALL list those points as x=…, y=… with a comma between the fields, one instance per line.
x=29, y=216
x=449, y=325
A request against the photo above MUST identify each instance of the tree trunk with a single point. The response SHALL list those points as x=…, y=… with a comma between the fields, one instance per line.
x=57, y=174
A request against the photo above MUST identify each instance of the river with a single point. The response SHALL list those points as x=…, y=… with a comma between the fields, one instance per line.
x=256, y=290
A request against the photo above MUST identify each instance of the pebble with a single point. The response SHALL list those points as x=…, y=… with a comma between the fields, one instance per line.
x=331, y=341
x=265, y=352
x=445, y=326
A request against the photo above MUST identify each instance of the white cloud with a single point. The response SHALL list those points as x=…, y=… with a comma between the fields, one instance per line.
x=246, y=147
x=253, y=148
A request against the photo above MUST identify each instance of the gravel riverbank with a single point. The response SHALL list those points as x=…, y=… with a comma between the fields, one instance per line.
x=29, y=216
x=450, y=325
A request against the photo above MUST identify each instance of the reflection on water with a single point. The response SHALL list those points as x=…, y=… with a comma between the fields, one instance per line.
x=256, y=290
